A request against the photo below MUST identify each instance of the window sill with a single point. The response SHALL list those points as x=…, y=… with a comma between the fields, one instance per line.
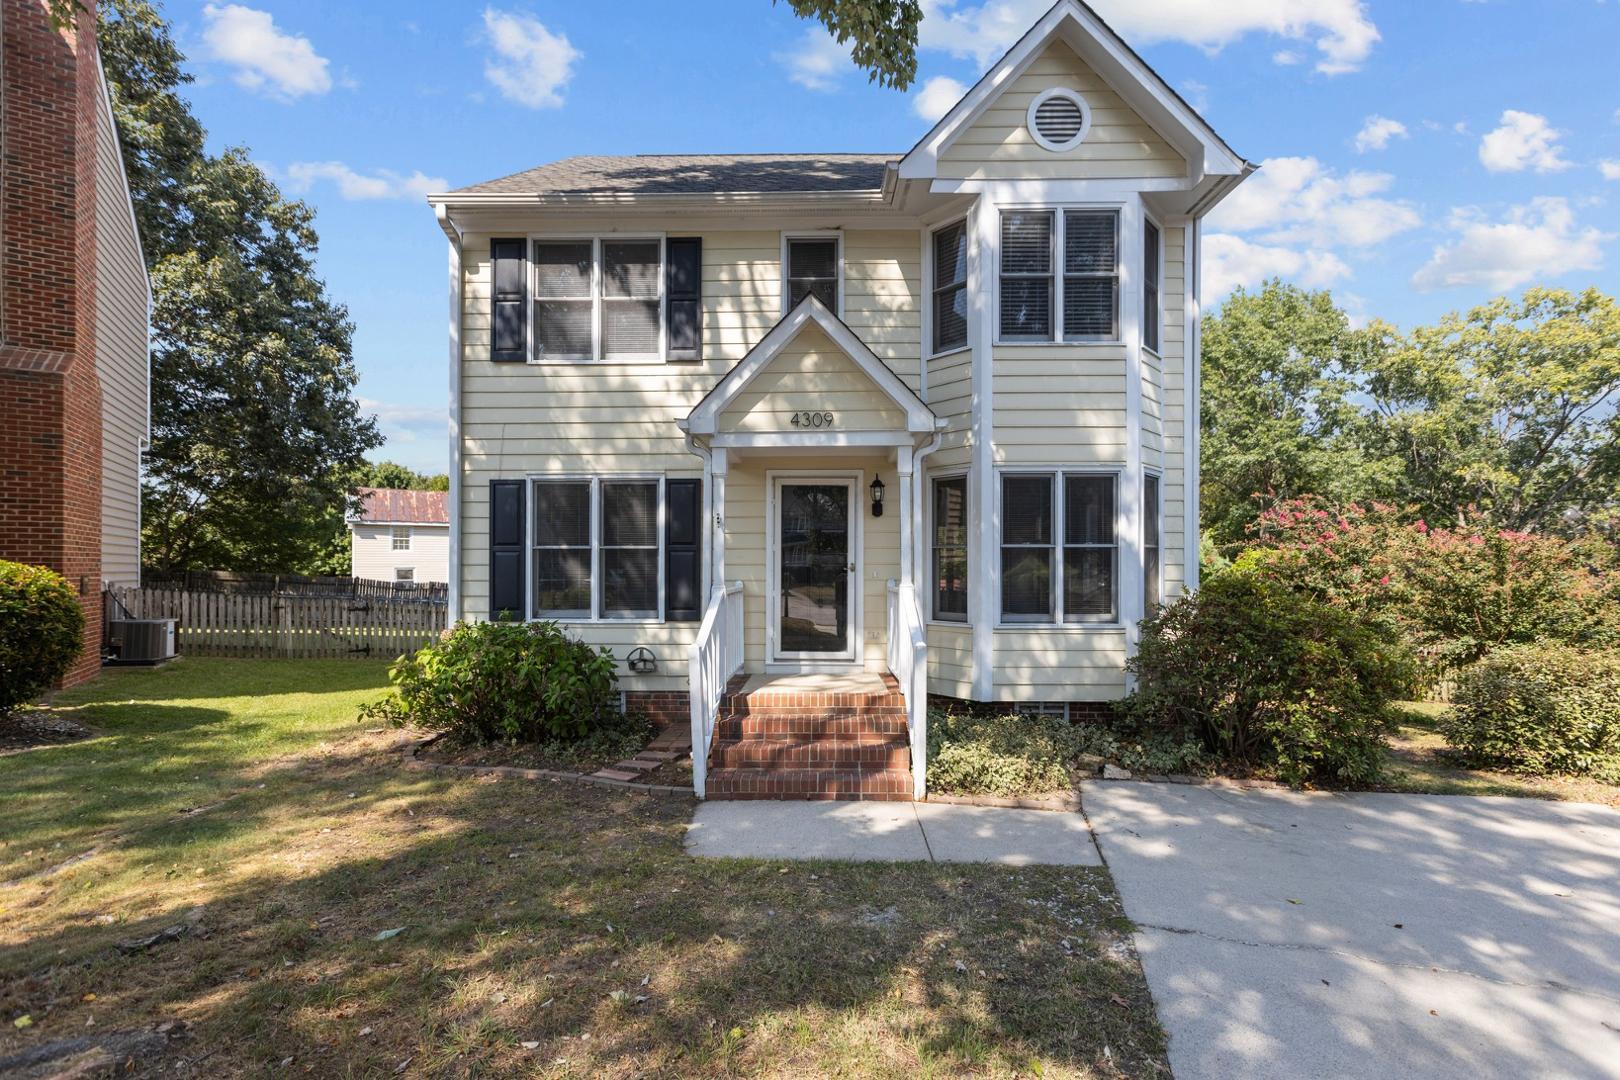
x=1052, y=628
x=1155, y=353
x=565, y=621
x=584, y=361
x=948, y=624
x=950, y=352
x=1047, y=344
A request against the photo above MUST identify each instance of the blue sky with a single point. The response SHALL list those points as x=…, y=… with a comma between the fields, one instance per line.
x=1418, y=157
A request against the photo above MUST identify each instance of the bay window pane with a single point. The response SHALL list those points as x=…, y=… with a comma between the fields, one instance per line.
x=1088, y=242
x=950, y=317
x=1026, y=243
x=1088, y=583
x=1090, y=307
x=1026, y=584
x=1088, y=510
x=950, y=548
x=1026, y=308
x=950, y=255
x=1026, y=510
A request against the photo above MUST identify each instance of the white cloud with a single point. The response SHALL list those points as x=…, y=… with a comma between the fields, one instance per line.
x=1300, y=200
x=1376, y=133
x=1609, y=169
x=1523, y=141
x=1231, y=261
x=1286, y=58
x=1339, y=29
x=266, y=59
x=354, y=186
x=1538, y=240
x=937, y=97
x=415, y=433
x=818, y=62
x=531, y=65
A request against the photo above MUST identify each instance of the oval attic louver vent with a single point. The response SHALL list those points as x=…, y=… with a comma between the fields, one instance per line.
x=1059, y=119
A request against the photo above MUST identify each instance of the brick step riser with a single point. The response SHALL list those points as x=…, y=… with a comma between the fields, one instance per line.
x=809, y=784
x=809, y=728
x=767, y=755
x=807, y=710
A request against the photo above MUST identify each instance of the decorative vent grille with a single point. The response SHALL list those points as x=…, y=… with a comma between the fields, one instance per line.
x=1058, y=119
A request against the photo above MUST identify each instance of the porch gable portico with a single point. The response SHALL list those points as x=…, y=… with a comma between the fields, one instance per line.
x=792, y=438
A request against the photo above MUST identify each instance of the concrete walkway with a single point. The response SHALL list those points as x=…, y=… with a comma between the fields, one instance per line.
x=1369, y=935
x=890, y=832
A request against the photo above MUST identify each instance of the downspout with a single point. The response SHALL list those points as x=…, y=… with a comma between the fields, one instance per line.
x=453, y=233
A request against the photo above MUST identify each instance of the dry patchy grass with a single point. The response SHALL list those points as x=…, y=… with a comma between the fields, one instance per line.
x=548, y=930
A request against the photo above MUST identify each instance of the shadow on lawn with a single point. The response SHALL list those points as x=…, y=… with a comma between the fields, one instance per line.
x=526, y=907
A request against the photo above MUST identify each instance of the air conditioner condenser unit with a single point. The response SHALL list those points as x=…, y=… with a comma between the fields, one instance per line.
x=141, y=641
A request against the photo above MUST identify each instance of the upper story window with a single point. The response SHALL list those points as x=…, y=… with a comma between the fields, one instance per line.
x=1080, y=303
x=598, y=299
x=950, y=287
x=812, y=265
x=1152, y=317
x=399, y=538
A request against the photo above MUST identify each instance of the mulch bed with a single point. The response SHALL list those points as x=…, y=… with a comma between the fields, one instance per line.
x=31, y=728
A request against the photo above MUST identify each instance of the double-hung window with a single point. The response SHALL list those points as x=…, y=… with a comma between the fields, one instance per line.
x=399, y=538
x=812, y=268
x=1059, y=277
x=598, y=299
x=1152, y=317
x=1059, y=551
x=950, y=287
x=950, y=563
x=597, y=548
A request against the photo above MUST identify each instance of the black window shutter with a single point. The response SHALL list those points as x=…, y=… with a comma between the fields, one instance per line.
x=509, y=316
x=506, y=563
x=683, y=297
x=683, y=551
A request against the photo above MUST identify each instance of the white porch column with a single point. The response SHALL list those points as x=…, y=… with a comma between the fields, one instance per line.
x=908, y=517
x=718, y=466
x=1129, y=522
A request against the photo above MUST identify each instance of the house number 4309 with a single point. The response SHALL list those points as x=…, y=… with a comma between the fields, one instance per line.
x=812, y=419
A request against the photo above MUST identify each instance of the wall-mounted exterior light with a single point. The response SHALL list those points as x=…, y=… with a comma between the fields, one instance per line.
x=877, y=497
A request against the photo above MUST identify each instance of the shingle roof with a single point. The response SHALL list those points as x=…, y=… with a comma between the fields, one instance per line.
x=402, y=506
x=700, y=174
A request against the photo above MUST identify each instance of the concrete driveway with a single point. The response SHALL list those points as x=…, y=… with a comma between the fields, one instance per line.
x=1368, y=935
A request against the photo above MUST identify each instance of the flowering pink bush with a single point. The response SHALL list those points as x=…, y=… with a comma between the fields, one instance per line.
x=1453, y=594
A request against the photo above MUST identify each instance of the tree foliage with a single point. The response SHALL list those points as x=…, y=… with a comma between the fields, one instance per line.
x=883, y=34
x=1505, y=417
x=254, y=420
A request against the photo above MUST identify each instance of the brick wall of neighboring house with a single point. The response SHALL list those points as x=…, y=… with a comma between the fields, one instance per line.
x=50, y=397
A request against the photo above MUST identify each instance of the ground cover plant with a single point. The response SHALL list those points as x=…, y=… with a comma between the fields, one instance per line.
x=348, y=917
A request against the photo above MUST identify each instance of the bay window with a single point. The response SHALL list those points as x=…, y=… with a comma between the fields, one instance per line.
x=1152, y=317
x=1059, y=549
x=1151, y=518
x=950, y=563
x=598, y=299
x=1078, y=304
x=597, y=548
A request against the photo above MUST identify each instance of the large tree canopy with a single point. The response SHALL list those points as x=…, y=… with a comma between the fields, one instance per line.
x=882, y=34
x=254, y=421
x=1509, y=414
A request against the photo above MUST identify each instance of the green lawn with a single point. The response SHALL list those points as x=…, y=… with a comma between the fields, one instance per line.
x=241, y=800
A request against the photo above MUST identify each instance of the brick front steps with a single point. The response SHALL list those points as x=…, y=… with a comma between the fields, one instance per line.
x=786, y=743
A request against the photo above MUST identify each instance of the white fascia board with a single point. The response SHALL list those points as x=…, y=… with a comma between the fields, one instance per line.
x=704, y=418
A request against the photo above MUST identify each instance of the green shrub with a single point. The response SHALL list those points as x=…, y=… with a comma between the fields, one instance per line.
x=1540, y=710
x=1453, y=594
x=1144, y=750
x=528, y=682
x=1269, y=679
x=41, y=632
x=1006, y=755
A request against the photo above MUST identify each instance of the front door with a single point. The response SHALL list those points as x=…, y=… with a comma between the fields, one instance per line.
x=815, y=572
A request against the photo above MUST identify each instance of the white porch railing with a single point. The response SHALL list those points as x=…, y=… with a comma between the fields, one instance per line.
x=717, y=655
x=908, y=663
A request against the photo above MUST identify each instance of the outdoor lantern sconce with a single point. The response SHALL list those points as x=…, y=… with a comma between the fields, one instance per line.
x=877, y=497
x=641, y=661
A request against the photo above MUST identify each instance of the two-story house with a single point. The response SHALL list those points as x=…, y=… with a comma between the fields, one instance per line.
x=810, y=439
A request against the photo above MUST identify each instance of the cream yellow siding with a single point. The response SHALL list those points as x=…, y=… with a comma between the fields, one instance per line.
x=1120, y=144
x=1059, y=664
x=950, y=657
x=1173, y=366
x=811, y=375
x=121, y=361
x=372, y=555
x=1059, y=405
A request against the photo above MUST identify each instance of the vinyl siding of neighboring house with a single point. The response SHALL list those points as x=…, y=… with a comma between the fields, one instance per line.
x=372, y=555
x=121, y=360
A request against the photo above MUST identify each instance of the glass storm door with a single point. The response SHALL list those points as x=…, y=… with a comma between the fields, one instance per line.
x=815, y=570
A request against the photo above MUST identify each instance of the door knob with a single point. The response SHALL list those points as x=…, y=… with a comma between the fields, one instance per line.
x=852, y=568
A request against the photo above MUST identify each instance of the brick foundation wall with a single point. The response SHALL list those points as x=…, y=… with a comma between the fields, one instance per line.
x=50, y=397
x=663, y=707
x=1080, y=712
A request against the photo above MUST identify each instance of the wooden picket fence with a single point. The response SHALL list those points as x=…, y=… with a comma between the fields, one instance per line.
x=284, y=625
